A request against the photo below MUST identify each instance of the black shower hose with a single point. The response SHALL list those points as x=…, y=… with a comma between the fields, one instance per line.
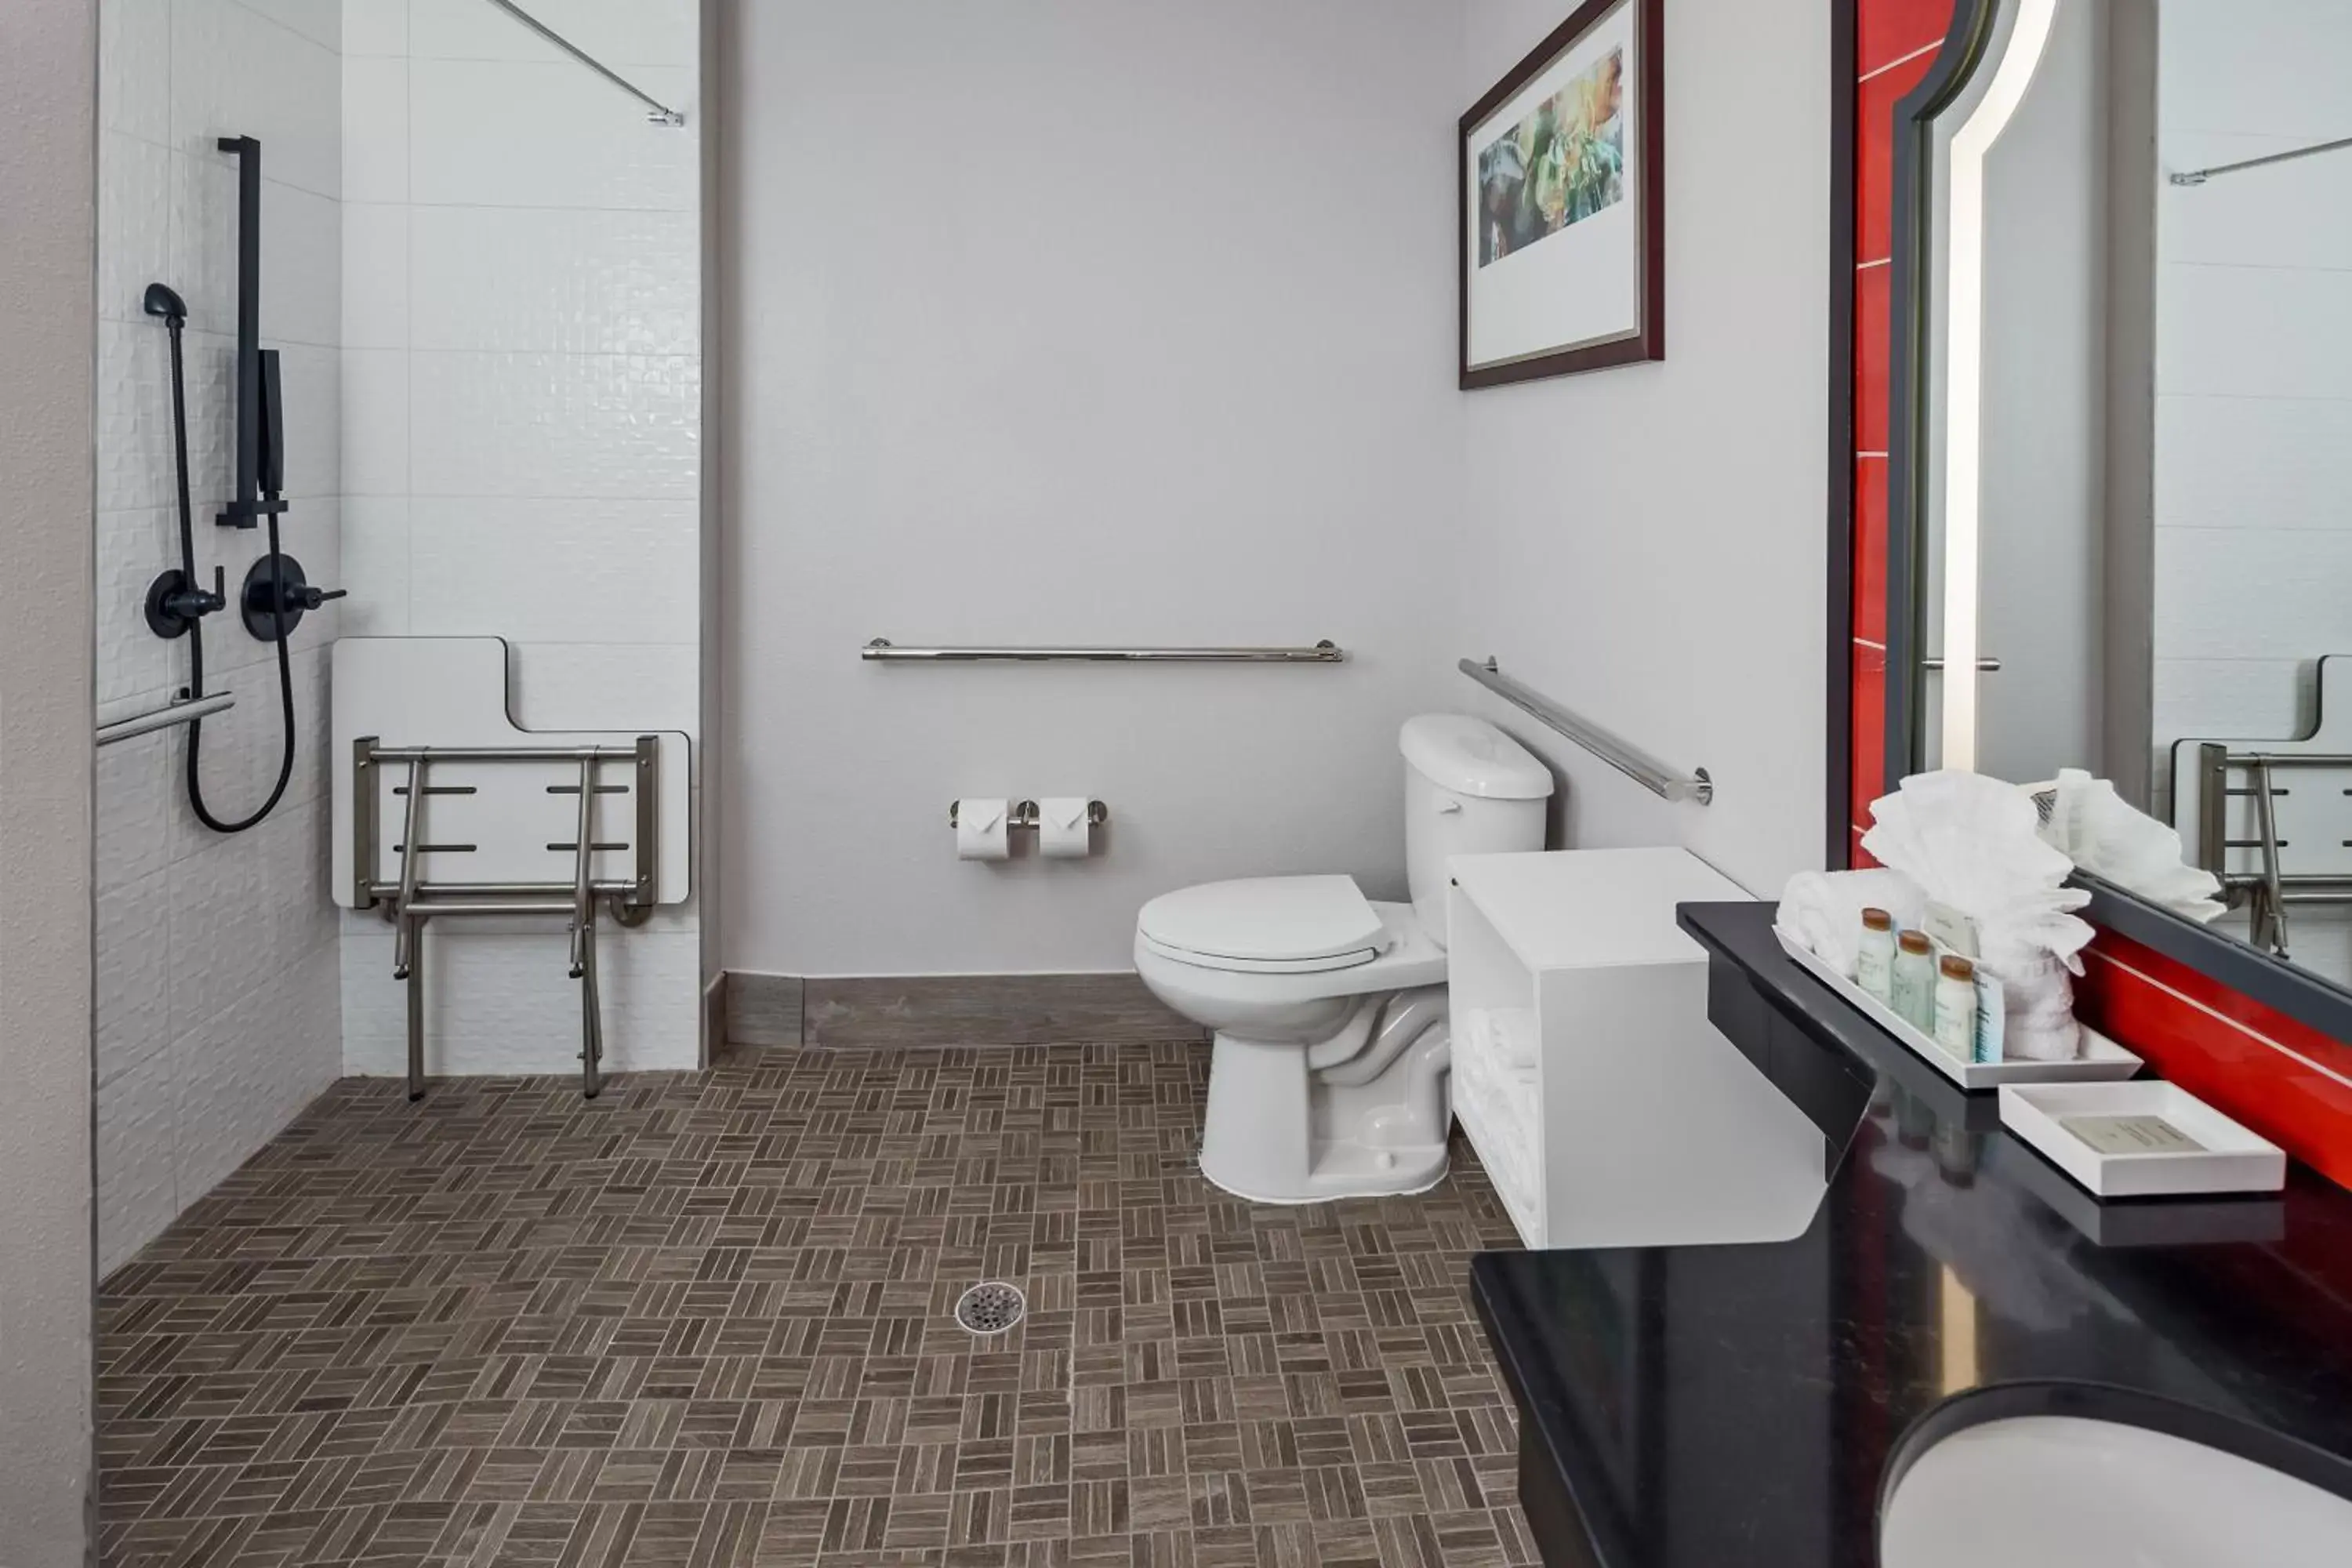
x=196, y=625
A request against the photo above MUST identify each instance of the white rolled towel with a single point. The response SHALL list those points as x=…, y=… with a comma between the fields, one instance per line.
x=1823, y=910
x=1512, y=1031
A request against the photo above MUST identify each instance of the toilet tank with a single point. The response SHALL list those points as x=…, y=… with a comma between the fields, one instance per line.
x=1469, y=789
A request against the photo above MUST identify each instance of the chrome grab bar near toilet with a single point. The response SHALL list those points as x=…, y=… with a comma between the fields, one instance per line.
x=883, y=650
x=1668, y=783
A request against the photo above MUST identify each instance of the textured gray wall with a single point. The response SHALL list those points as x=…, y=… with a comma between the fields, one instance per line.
x=48, y=91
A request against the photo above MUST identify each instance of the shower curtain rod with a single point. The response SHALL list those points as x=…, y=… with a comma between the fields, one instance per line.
x=2199, y=176
x=662, y=114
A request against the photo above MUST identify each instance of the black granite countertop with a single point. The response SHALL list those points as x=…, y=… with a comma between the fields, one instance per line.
x=1738, y=1405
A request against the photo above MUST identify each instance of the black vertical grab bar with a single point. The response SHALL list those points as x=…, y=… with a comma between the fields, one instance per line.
x=248, y=506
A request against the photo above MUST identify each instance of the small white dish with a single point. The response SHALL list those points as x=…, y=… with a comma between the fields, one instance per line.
x=2102, y=1059
x=2151, y=1139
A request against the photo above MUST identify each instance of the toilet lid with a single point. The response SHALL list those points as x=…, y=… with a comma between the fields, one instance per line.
x=1279, y=920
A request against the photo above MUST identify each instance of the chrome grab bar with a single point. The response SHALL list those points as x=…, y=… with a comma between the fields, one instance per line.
x=884, y=650
x=187, y=712
x=1643, y=769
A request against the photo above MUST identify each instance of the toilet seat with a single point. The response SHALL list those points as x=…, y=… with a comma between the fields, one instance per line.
x=1266, y=925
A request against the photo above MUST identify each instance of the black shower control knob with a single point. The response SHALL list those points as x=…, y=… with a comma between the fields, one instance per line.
x=278, y=596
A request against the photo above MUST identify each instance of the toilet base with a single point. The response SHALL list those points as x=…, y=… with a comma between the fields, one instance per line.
x=1277, y=1131
x=1340, y=1171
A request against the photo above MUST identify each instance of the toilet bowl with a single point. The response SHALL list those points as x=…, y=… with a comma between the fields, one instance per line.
x=1329, y=1074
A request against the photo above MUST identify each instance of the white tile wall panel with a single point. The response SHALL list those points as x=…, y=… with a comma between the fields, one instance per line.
x=555, y=424
x=135, y=416
x=135, y=1010
x=132, y=547
x=134, y=222
x=566, y=138
x=376, y=275
x=556, y=280
x=374, y=415
x=136, y=793
x=219, y=1010
x=2218, y=73
x=2288, y=215
x=137, y=1192
x=580, y=685
x=618, y=32
x=375, y=566
x=134, y=67
x=239, y=755
x=2253, y=332
x=238, y=1084
x=203, y=237
x=2247, y=592
x=321, y=21
x=375, y=27
x=312, y=376
x=2229, y=462
x=221, y=54
x=375, y=129
x=502, y=1003
x=301, y=266
x=552, y=570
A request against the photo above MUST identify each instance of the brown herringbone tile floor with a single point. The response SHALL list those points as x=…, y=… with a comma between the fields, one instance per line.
x=706, y=1319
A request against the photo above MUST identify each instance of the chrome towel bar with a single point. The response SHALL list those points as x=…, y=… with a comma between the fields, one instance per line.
x=1632, y=761
x=884, y=650
x=187, y=712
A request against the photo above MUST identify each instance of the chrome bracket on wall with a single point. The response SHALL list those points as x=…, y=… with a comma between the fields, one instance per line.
x=411, y=899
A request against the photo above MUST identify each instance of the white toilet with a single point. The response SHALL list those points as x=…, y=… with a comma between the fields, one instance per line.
x=1329, y=1075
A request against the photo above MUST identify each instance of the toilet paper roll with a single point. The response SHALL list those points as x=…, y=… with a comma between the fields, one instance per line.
x=983, y=830
x=1062, y=830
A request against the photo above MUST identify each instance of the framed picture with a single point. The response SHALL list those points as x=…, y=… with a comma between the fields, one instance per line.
x=1562, y=202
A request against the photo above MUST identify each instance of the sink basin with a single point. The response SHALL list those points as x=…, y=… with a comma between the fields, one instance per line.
x=2059, y=1491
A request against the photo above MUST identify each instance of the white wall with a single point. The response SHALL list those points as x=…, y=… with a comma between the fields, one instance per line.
x=2253, y=368
x=47, y=190
x=1129, y=322
x=2254, y=414
x=1648, y=544
x=522, y=387
x=216, y=977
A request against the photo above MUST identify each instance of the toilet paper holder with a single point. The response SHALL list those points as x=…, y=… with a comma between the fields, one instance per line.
x=1024, y=814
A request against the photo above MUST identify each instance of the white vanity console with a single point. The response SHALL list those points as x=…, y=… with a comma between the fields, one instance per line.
x=1606, y=1107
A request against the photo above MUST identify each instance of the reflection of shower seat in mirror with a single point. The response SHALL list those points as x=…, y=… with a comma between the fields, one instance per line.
x=2273, y=819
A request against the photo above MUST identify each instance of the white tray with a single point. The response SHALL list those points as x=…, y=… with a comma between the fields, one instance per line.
x=2102, y=1061
x=2233, y=1160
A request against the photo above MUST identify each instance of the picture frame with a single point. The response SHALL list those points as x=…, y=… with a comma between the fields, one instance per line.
x=1561, y=209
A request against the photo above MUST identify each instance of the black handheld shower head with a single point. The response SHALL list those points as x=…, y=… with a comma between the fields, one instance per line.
x=161, y=301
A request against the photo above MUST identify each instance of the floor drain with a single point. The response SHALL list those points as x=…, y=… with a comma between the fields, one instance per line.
x=990, y=1309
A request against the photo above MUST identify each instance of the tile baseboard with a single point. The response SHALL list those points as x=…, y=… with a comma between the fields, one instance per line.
x=933, y=1010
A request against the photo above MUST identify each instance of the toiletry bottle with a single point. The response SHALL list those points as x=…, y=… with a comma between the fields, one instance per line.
x=1955, y=1006
x=1873, y=963
x=1912, y=993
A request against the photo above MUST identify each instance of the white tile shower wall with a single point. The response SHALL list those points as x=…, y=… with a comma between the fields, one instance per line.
x=521, y=447
x=2253, y=416
x=218, y=1010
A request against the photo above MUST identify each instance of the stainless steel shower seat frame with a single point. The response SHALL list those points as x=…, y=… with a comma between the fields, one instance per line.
x=2274, y=883
x=412, y=901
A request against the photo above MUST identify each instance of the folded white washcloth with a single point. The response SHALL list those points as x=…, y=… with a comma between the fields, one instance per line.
x=2059, y=1042
x=1512, y=1031
x=1823, y=910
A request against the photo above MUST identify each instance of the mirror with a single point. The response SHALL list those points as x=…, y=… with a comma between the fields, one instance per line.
x=2122, y=459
